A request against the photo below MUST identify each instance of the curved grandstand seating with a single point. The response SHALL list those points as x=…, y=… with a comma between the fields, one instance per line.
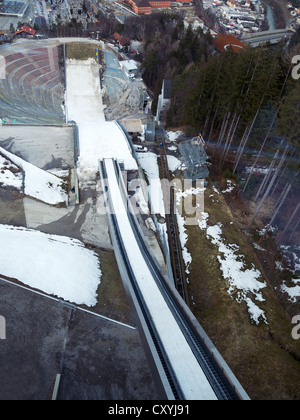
x=32, y=91
x=114, y=79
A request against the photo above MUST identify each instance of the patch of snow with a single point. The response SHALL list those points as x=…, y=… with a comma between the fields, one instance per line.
x=140, y=199
x=230, y=187
x=258, y=247
x=256, y=313
x=203, y=221
x=294, y=291
x=182, y=221
x=279, y=266
x=172, y=148
x=148, y=162
x=10, y=174
x=56, y=265
x=242, y=282
x=292, y=255
x=183, y=240
x=188, y=192
x=60, y=173
x=266, y=229
x=173, y=135
x=173, y=163
x=39, y=184
x=215, y=190
x=257, y=170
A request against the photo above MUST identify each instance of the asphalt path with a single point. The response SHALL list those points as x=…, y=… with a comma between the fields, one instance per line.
x=97, y=358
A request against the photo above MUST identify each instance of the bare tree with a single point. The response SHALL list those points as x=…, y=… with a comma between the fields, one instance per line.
x=279, y=205
x=290, y=221
x=267, y=192
x=266, y=178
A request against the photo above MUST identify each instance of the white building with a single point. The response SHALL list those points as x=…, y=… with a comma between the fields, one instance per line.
x=163, y=100
x=129, y=67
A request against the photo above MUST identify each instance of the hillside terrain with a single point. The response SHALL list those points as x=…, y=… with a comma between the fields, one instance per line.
x=242, y=256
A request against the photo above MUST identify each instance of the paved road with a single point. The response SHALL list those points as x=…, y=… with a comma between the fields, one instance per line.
x=98, y=359
x=265, y=37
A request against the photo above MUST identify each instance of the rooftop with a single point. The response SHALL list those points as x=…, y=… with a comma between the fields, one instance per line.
x=26, y=29
x=133, y=125
x=167, y=84
x=194, y=157
x=227, y=42
x=128, y=64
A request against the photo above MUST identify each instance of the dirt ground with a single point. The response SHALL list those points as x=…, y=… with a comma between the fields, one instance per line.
x=265, y=358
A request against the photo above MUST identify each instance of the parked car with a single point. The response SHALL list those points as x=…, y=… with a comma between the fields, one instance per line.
x=140, y=149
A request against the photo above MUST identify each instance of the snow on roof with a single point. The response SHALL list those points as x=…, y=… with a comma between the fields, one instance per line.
x=128, y=64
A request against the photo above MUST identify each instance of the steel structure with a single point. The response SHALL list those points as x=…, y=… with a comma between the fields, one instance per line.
x=188, y=365
x=194, y=157
x=178, y=266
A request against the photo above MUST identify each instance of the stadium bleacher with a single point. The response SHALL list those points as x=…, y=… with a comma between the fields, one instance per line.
x=32, y=90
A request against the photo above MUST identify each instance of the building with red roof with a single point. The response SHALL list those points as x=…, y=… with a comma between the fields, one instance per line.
x=227, y=42
x=26, y=31
x=145, y=6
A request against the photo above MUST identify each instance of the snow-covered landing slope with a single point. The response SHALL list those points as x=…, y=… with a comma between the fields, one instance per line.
x=98, y=139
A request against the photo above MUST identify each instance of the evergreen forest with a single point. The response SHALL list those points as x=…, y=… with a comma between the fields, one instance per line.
x=246, y=105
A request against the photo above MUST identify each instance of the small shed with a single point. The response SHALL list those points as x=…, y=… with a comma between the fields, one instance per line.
x=194, y=158
x=164, y=99
x=150, y=131
x=26, y=31
x=133, y=126
x=129, y=67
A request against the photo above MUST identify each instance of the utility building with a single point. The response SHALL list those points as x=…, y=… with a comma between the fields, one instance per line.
x=129, y=67
x=194, y=158
x=163, y=101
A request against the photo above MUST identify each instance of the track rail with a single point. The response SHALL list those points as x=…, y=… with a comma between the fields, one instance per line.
x=177, y=262
x=212, y=369
x=175, y=388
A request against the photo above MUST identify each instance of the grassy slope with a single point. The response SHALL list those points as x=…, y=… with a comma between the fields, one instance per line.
x=112, y=298
x=80, y=50
x=260, y=356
